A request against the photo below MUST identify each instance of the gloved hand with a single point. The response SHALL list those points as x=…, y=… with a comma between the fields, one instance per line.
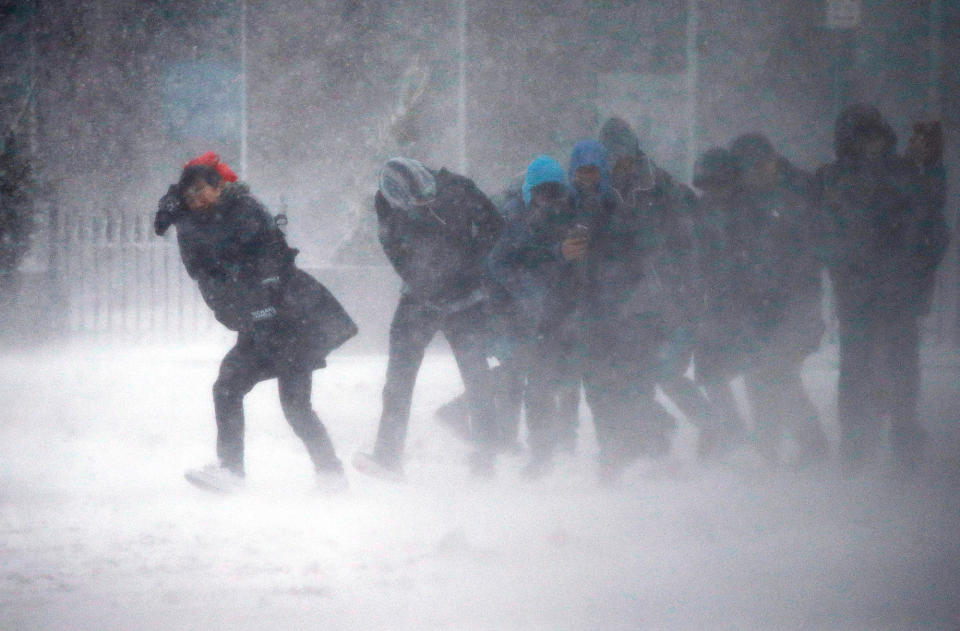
x=168, y=210
x=266, y=300
x=242, y=303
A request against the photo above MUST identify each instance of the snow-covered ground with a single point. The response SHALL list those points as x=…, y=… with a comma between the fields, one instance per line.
x=99, y=530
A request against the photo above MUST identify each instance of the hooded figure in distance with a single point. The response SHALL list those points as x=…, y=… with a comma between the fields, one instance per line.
x=884, y=234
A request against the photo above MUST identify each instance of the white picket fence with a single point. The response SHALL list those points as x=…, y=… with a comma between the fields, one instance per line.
x=111, y=277
x=115, y=276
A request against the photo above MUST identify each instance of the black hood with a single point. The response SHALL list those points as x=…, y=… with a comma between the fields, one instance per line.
x=716, y=166
x=620, y=141
x=856, y=123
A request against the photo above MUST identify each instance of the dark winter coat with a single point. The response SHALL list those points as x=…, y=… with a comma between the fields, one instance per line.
x=724, y=334
x=883, y=224
x=438, y=250
x=526, y=262
x=657, y=224
x=246, y=274
x=516, y=297
x=776, y=271
x=660, y=226
x=549, y=291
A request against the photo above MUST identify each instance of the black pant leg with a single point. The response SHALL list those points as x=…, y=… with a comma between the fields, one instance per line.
x=466, y=336
x=239, y=372
x=859, y=392
x=628, y=419
x=763, y=391
x=781, y=404
x=295, y=388
x=412, y=329
x=900, y=341
x=540, y=361
x=509, y=380
x=570, y=367
x=568, y=411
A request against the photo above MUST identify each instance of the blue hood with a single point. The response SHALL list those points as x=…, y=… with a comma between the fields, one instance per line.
x=590, y=153
x=542, y=169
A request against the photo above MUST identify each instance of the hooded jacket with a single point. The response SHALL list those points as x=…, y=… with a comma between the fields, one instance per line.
x=438, y=249
x=656, y=226
x=772, y=236
x=883, y=225
x=776, y=271
x=620, y=141
x=542, y=170
x=609, y=268
x=725, y=334
x=591, y=153
x=526, y=261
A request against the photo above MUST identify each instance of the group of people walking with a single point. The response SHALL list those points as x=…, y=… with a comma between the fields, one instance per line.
x=610, y=278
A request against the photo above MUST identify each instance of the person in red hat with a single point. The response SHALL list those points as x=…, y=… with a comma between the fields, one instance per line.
x=287, y=322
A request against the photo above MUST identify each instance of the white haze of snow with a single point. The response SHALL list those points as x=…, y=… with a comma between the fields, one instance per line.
x=99, y=530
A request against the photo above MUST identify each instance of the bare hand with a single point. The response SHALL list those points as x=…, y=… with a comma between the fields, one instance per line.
x=574, y=248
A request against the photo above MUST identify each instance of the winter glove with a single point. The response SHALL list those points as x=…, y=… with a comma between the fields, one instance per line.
x=168, y=210
x=265, y=300
x=240, y=304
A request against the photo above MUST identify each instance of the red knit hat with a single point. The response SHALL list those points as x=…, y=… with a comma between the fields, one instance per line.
x=210, y=159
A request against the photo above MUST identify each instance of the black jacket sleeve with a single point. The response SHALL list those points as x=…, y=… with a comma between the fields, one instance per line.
x=257, y=264
x=388, y=232
x=168, y=211
x=258, y=243
x=934, y=234
x=485, y=217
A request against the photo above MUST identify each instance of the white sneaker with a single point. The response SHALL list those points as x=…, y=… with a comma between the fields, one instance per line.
x=331, y=482
x=215, y=478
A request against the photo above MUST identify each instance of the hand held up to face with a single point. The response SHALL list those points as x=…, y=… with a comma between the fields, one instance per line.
x=576, y=244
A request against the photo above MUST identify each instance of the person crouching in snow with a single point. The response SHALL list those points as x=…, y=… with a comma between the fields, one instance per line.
x=435, y=227
x=287, y=322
